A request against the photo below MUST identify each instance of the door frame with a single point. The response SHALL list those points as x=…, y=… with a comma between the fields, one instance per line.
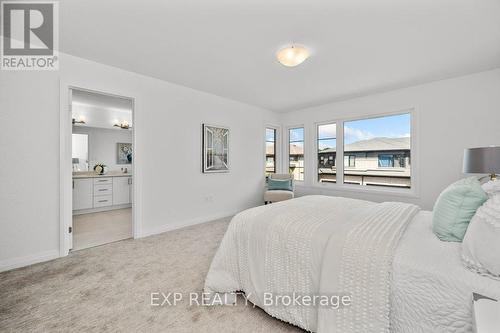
x=66, y=170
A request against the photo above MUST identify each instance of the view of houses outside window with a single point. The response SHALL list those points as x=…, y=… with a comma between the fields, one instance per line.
x=377, y=151
x=270, y=151
x=296, y=152
x=327, y=144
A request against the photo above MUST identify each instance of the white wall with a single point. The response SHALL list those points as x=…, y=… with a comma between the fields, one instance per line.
x=103, y=145
x=452, y=115
x=167, y=122
x=29, y=167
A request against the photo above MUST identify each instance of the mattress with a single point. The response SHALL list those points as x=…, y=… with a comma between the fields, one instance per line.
x=431, y=289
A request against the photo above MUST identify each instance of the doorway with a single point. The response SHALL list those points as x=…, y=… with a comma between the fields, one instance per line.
x=102, y=157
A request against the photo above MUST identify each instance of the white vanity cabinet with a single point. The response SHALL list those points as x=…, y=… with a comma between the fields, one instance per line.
x=99, y=193
x=83, y=193
x=103, y=192
x=122, y=188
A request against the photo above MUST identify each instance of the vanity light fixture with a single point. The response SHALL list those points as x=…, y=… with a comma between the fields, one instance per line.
x=293, y=55
x=123, y=125
x=80, y=120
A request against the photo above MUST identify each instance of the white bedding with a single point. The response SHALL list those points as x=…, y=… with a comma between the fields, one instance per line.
x=314, y=246
x=431, y=288
x=303, y=250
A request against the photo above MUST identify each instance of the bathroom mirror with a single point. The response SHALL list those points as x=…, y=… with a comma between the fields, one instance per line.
x=80, y=152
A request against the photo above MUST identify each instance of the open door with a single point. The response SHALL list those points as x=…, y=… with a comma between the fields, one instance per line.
x=102, y=172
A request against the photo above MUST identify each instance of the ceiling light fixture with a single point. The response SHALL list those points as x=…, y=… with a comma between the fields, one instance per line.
x=292, y=56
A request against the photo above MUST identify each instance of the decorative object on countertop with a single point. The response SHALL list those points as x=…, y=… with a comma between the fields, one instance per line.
x=279, y=188
x=482, y=160
x=124, y=153
x=455, y=208
x=100, y=168
x=481, y=245
x=215, y=152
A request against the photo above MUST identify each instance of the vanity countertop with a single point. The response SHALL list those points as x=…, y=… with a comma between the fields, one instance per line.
x=90, y=174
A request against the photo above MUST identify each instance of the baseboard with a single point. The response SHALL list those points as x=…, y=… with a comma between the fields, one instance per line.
x=8, y=264
x=100, y=209
x=184, y=224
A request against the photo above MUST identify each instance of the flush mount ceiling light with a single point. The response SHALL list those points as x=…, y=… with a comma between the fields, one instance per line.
x=292, y=56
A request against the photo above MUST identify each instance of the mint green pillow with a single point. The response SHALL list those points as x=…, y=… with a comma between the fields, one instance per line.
x=279, y=184
x=455, y=207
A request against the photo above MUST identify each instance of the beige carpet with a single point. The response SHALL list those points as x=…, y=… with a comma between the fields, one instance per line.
x=101, y=228
x=108, y=289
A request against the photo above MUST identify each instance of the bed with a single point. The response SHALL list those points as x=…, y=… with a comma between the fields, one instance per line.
x=398, y=275
x=431, y=288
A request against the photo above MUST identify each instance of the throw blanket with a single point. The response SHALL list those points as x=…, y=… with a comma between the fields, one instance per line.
x=314, y=246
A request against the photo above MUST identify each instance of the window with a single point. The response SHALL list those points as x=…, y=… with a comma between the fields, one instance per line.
x=296, y=152
x=327, y=145
x=392, y=160
x=377, y=151
x=350, y=161
x=386, y=161
x=270, y=151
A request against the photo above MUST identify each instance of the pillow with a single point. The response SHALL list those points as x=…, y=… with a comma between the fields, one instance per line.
x=455, y=207
x=279, y=184
x=492, y=188
x=481, y=245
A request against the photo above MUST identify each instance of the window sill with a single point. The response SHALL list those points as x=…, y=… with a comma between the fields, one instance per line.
x=403, y=192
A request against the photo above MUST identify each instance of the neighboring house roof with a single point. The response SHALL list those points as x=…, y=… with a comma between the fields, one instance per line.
x=375, y=144
x=294, y=150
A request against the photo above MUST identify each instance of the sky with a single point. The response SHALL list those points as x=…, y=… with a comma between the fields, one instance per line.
x=270, y=135
x=389, y=127
x=396, y=126
x=297, y=134
x=327, y=136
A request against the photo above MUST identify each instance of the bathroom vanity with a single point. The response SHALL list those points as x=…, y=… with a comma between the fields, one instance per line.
x=96, y=193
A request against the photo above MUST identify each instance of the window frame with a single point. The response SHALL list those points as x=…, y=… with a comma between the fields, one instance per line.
x=286, y=166
x=316, y=149
x=412, y=192
x=276, y=147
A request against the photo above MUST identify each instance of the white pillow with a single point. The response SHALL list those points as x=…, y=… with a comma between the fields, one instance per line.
x=481, y=244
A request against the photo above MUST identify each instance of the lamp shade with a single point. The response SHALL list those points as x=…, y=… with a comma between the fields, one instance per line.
x=482, y=160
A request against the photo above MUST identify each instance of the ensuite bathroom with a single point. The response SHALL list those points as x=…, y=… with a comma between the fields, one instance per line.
x=102, y=157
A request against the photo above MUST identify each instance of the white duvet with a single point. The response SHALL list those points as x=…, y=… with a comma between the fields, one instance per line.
x=325, y=245
x=314, y=246
x=431, y=290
